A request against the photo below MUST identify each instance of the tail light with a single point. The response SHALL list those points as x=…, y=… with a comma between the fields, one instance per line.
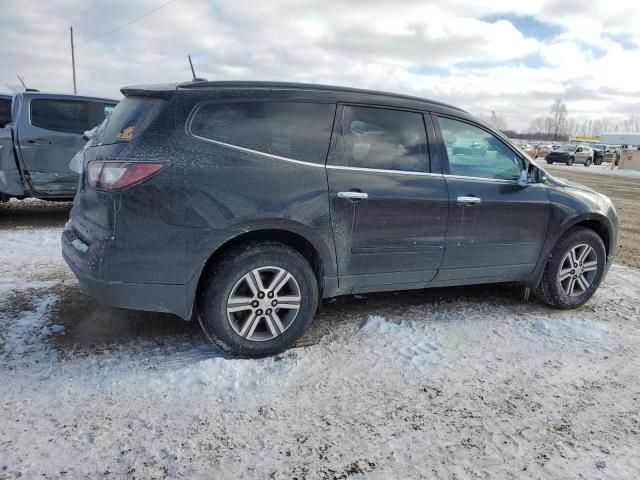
x=119, y=175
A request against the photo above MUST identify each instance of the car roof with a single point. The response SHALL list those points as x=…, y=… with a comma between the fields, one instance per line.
x=62, y=96
x=167, y=89
x=6, y=96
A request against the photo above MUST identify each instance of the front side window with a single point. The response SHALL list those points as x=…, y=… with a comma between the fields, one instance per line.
x=382, y=139
x=293, y=130
x=474, y=152
x=70, y=116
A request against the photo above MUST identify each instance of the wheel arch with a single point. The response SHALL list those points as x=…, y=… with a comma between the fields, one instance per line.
x=298, y=237
x=600, y=224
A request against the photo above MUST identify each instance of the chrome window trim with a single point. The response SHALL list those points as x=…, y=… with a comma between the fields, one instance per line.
x=309, y=164
x=381, y=170
x=486, y=179
x=257, y=152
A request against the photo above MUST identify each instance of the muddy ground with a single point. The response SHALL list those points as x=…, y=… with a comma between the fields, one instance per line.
x=468, y=382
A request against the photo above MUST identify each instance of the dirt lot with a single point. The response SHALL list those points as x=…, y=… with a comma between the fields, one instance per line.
x=625, y=194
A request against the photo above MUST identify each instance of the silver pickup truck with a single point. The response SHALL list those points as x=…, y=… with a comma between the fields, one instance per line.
x=44, y=131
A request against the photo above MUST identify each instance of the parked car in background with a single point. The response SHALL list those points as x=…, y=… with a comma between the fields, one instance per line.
x=602, y=152
x=5, y=109
x=571, y=153
x=542, y=151
x=241, y=204
x=46, y=131
x=529, y=149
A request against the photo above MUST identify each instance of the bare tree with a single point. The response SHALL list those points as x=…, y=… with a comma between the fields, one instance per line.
x=558, y=114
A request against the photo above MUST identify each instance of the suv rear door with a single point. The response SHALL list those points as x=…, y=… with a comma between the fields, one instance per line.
x=389, y=213
x=49, y=134
x=496, y=225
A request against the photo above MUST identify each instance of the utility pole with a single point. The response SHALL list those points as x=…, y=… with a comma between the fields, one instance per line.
x=73, y=62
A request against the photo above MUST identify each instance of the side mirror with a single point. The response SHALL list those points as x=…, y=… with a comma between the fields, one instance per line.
x=523, y=181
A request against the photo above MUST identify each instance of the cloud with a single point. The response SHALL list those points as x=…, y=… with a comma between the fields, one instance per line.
x=446, y=50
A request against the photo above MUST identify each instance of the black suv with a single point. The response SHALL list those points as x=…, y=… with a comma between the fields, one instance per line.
x=243, y=203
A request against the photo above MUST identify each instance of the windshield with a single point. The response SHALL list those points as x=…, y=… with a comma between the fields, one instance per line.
x=567, y=148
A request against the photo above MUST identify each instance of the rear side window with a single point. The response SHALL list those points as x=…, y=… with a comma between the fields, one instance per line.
x=5, y=111
x=72, y=116
x=299, y=131
x=128, y=119
x=381, y=138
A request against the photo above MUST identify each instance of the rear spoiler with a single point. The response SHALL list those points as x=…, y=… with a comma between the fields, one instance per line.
x=165, y=91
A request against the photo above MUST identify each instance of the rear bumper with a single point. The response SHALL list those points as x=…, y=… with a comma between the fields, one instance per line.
x=154, y=297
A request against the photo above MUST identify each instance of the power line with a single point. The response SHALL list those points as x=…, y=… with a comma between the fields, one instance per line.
x=120, y=27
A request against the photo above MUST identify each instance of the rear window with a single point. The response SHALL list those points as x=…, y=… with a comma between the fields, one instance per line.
x=72, y=116
x=5, y=111
x=295, y=130
x=128, y=119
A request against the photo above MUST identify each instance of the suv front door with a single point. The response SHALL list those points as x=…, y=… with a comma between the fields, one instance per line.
x=496, y=225
x=389, y=213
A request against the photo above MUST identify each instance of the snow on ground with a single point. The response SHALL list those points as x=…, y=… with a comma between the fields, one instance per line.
x=412, y=385
x=596, y=170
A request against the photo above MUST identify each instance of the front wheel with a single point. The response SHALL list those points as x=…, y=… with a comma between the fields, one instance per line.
x=258, y=300
x=570, y=161
x=575, y=269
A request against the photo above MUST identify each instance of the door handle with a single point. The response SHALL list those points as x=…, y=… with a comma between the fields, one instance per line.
x=469, y=200
x=39, y=141
x=353, y=195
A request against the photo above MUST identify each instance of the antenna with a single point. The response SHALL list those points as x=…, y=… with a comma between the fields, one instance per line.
x=22, y=82
x=193, y=72
x=73, y=61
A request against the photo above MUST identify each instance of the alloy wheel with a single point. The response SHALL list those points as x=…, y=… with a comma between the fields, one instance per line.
x=263, y=303
x=578, y=269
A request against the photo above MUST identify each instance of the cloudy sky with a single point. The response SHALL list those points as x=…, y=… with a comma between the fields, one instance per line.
x=510, y=56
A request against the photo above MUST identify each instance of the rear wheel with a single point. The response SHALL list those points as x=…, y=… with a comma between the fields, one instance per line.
x=575, y=269
x=587, y=162
x=570, y=161
x=549, y=161
x=259, y=299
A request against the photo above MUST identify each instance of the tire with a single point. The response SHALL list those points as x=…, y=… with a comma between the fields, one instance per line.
x=587, y=162
x=569, y=161
x=549, y=161
x=556, y=292
x=250, y=331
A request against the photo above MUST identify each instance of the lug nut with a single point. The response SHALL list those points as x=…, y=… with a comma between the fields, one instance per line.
x=274, y=303
x=260, y=294
x=258, y=312
x=270, y=294
x=255, y=304
x=268, y=311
